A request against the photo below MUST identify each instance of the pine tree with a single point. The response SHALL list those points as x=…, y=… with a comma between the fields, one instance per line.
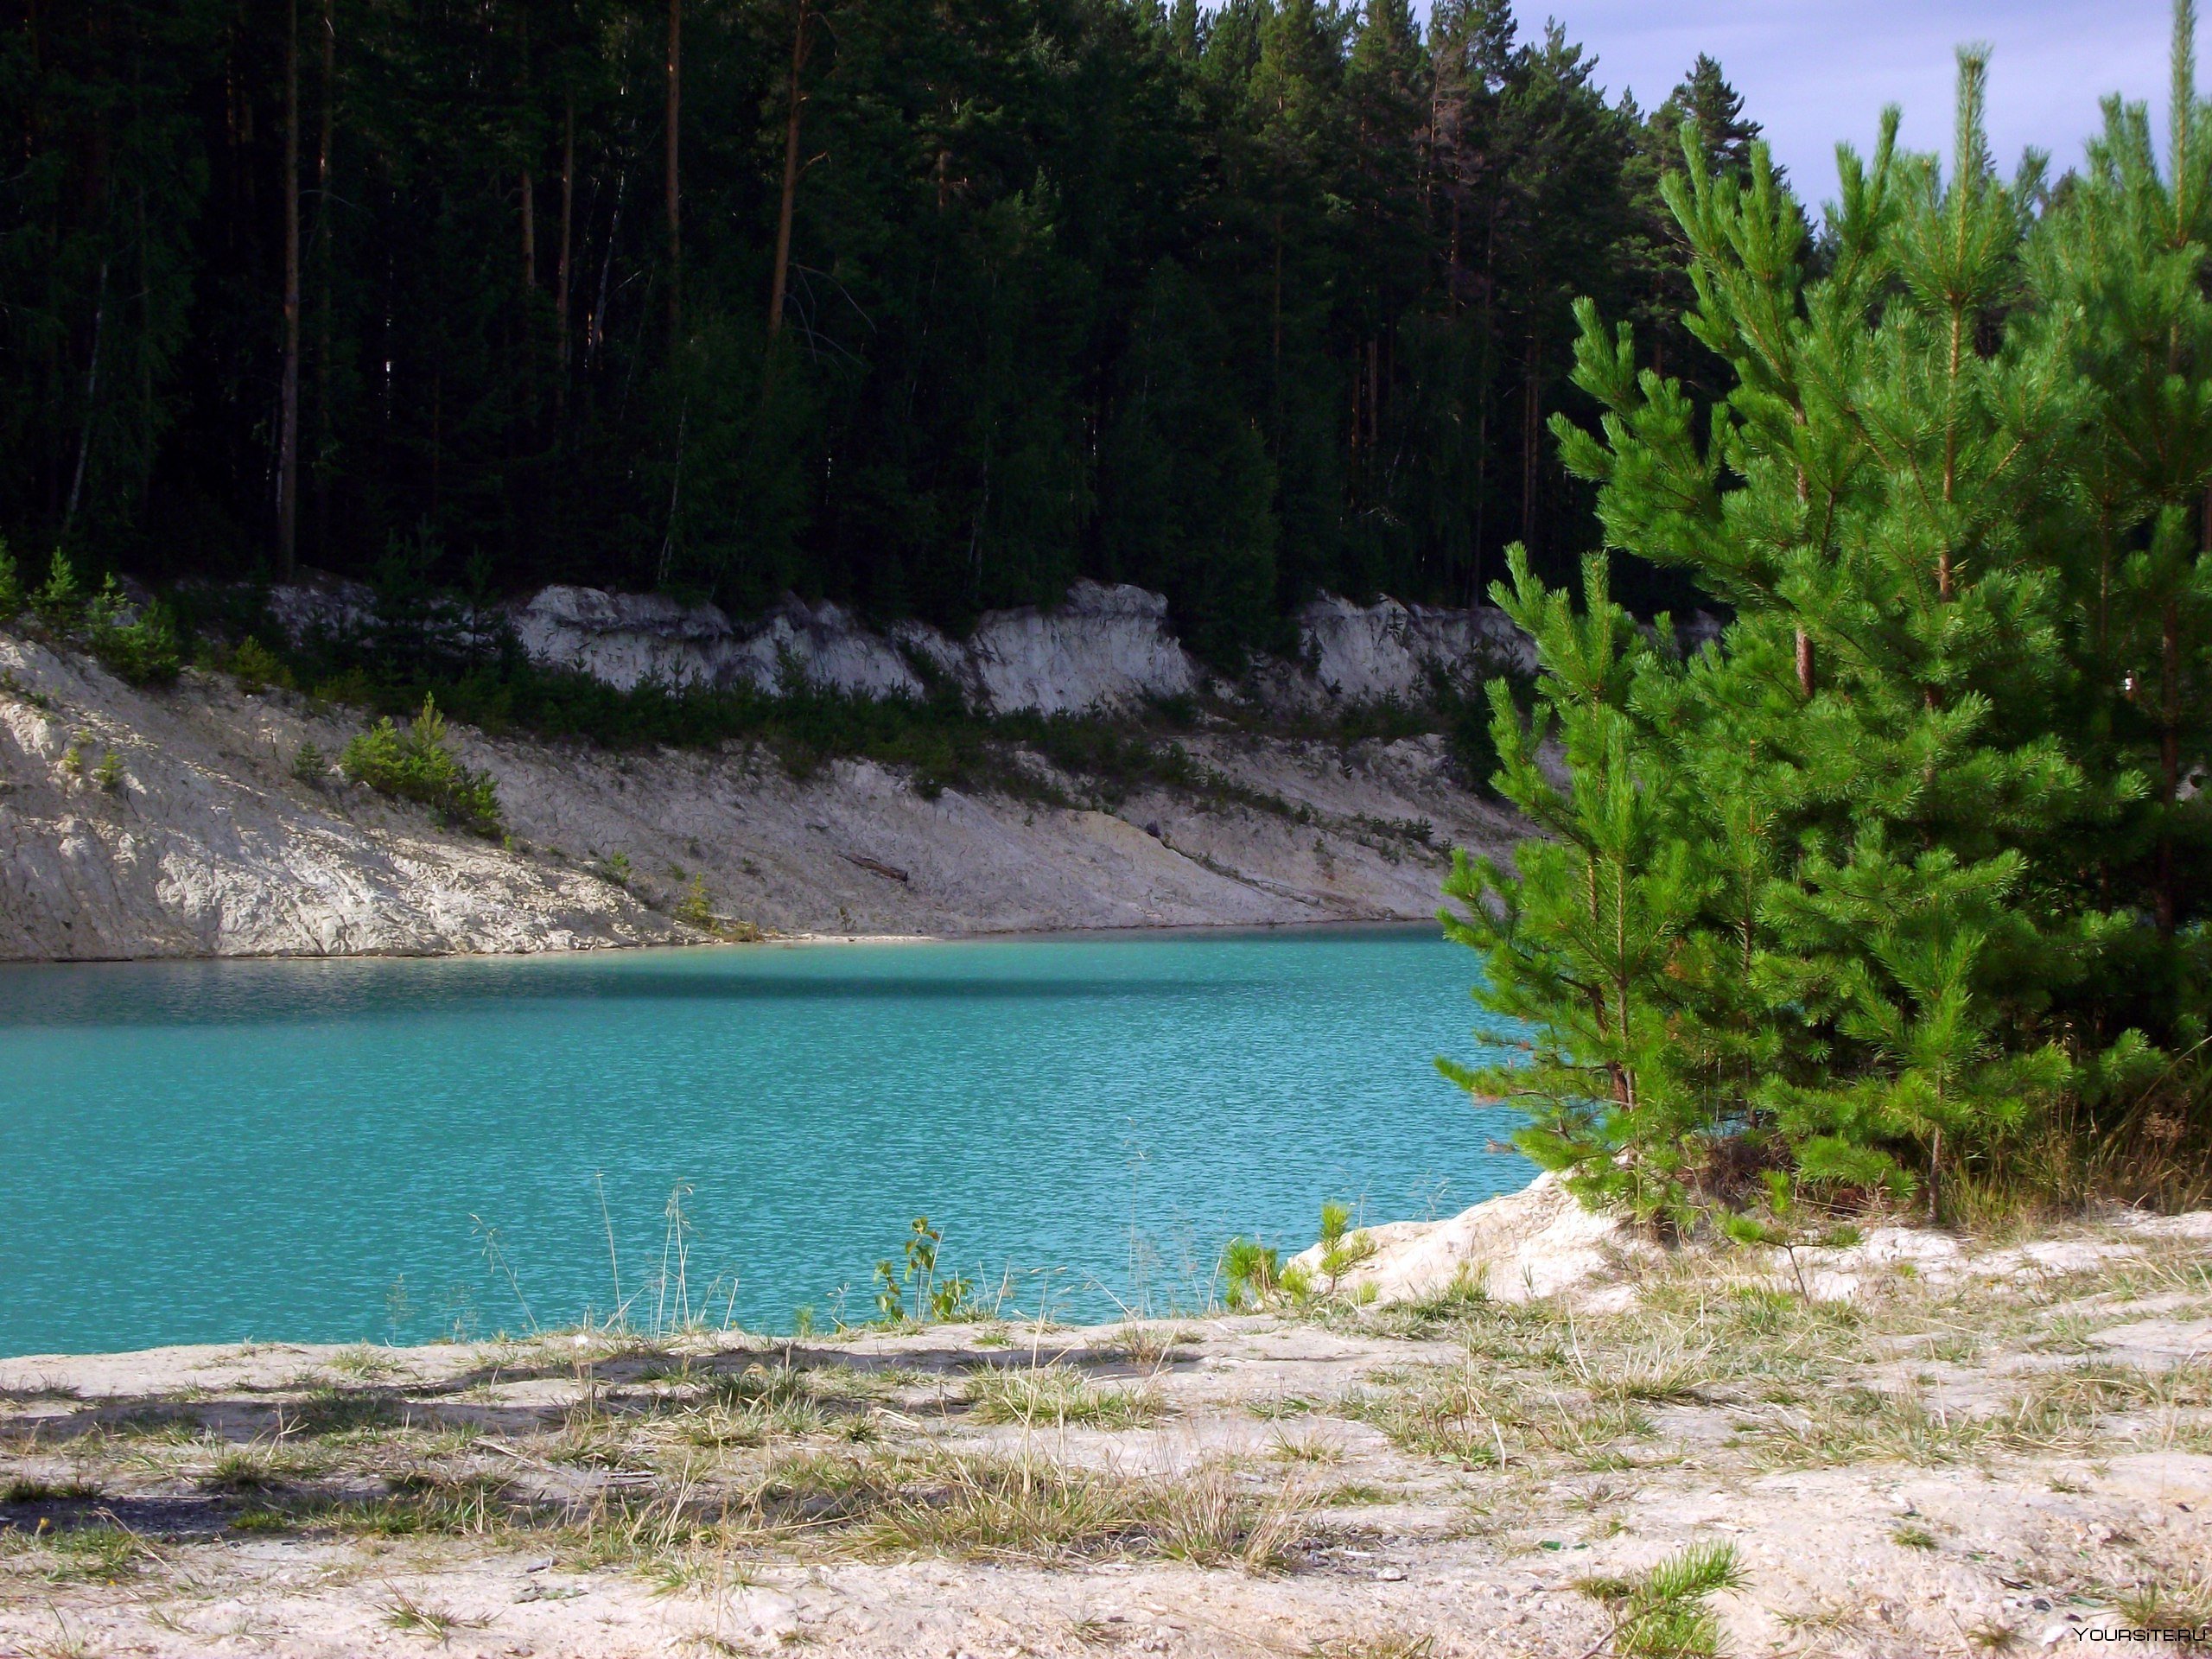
x=1577, y=936
x=1878, y=817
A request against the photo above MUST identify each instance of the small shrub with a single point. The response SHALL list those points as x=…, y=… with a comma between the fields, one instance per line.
x=693, y=910
x=59, y=602
x=109, y=773
x=352, y=687
x=310, y=765
x=145, y=652
x=1341, y=1251
x=416, y=764
x=1250, y=1271
x=256, y=669
x=1665, y=1613
x=11, y=584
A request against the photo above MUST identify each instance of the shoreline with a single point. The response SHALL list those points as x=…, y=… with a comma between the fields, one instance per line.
x=1357, y=925
x=1972, y=1447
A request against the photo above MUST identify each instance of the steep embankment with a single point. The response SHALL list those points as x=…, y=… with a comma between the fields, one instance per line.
x=199, y=839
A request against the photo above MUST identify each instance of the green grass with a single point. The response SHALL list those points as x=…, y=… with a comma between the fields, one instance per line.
x=1057, y=1395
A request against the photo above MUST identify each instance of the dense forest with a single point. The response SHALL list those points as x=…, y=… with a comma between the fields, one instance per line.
x=928, y=309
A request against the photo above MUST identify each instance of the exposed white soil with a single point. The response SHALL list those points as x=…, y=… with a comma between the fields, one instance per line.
x=2015, y=1456
x=208, y=845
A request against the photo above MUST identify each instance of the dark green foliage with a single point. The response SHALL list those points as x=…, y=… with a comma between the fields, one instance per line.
x=1238, y=304
x=415, y=765
x=141, y=646
x=255, y=667
x=58, y=602
x=1902, y=878
x=144, y=650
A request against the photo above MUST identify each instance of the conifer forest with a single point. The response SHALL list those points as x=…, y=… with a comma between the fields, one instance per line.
x=923, y=309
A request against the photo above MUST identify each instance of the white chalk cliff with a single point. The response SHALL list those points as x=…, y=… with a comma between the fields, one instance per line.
x=1104, y=650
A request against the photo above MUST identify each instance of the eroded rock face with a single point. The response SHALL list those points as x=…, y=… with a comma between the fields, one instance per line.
x=1355, y=655
x=1104, y=649
x=200, y=841
x=210, y=842
x=629, y=640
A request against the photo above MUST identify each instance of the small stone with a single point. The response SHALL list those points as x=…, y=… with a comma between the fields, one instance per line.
x=1392, y=1575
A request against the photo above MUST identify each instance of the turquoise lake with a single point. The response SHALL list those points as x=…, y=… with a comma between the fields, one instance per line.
x=319, y=1151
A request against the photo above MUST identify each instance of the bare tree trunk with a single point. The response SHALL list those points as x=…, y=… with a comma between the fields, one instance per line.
x=288, y=462
x=674, y=199
x=1805, y=679
x=595, y=334
x=567, y=213
x=2168, y=902
x=327, y=257
x=792, y=102
x=529, y=193
x=91, y=396
x=1529, y=408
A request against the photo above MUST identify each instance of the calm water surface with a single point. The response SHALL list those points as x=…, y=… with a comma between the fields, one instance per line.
x=200, y=1152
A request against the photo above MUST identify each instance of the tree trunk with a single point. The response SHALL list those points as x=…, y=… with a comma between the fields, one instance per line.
x=528, y=235
x=1804, y=664
x=791, y=104
x=528, y=194
x=287, y=455
x=1530, y=410
x=674, y=199
x=567, y=212
x=2169, y=902
x=326, y=265
x=91, y=399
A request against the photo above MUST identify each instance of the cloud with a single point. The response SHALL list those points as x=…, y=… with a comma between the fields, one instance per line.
x=1814, y=72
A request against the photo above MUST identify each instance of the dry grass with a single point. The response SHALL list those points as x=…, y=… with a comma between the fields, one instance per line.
x=423, y=1618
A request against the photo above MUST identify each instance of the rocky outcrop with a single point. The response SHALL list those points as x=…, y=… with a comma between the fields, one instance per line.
x=1104, y=650
x=1514, y=1248
x=1357, y=655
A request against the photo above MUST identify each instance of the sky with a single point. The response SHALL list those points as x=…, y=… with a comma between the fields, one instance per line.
x=1816, y=71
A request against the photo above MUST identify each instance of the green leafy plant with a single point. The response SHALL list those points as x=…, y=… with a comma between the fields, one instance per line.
x=310, y=765
x=11, y=585
x=414, y=764
x=911, y=1290
x=109, y=773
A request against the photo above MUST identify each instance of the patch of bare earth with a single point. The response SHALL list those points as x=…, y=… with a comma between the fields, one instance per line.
x=1954, y=1463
